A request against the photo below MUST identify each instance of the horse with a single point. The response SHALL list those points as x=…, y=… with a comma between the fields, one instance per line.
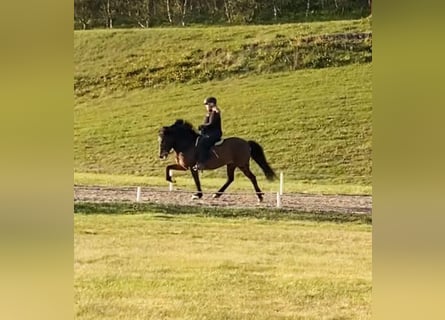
x=232, y=152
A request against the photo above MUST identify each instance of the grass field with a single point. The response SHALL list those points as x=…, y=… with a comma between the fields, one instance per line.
x=116, y=60
x=155, y=265
x=307, y=103
x=314, y=123
x=184, y=181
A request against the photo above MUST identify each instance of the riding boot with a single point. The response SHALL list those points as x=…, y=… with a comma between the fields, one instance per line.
x=201, y=161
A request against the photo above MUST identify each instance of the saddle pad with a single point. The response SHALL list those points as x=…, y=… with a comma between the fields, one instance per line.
x=217, y=143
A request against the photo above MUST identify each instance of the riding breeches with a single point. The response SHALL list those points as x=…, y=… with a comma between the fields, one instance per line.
x=204, y=145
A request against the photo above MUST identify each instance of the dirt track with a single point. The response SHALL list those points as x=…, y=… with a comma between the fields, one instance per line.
x=296, y=201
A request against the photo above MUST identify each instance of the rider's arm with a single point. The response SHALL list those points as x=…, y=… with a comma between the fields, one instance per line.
x=209, y=120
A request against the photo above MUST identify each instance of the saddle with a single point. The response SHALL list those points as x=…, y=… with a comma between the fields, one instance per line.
x=217, y=143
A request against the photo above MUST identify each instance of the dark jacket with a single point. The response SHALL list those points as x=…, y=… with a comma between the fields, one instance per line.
x=212, y=124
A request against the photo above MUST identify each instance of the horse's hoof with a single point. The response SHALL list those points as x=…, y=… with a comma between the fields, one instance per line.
x=197, y=196
x=216, y=195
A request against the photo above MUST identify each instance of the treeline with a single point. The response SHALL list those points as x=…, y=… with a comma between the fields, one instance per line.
x=150, y=13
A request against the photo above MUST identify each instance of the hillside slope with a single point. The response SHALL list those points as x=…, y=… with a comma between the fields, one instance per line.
x=313, y=124
x=312, y=114
x=112, y=60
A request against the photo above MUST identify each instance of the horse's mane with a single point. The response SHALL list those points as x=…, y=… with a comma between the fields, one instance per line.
x=183, y=123
x=180, y=127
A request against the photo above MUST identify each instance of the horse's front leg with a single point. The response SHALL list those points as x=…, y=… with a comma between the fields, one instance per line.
x=195, y=175
x=168, y=177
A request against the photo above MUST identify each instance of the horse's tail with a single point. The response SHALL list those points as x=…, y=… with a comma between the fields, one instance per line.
x=257, y=154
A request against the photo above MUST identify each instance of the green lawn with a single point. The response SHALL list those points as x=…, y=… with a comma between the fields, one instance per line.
x=184, y=181
x=163, y=266
x=112, y=60
x=315, y=124
x=309, y=106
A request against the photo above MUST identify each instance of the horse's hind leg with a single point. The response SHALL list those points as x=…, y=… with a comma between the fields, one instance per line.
x=230, y=177
x=251, y=176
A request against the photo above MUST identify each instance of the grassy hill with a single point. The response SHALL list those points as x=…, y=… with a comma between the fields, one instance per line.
x=106, y=61
x=314, y=123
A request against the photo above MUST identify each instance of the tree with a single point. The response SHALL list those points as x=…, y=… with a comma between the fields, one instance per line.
x=308, y=7
x=147, y=13
x=183, y=8
x=169, y=14
x=84, y=11
x=108, y=11
x=141, y=12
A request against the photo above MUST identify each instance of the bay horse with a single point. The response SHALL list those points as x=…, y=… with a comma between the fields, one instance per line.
x=233, y=152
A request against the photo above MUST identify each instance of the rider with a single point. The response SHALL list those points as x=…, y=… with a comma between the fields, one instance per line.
x=211, y=131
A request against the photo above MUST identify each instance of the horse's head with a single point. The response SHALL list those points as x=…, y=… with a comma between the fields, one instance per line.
x=166, y=141
x=178, y=136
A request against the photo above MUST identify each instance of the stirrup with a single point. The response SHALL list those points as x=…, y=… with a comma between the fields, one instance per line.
x=198, y=166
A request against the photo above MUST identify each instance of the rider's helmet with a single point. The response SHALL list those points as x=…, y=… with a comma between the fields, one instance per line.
x=210, y=101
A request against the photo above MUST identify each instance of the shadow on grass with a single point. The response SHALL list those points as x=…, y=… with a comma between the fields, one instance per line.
x=166, y=211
